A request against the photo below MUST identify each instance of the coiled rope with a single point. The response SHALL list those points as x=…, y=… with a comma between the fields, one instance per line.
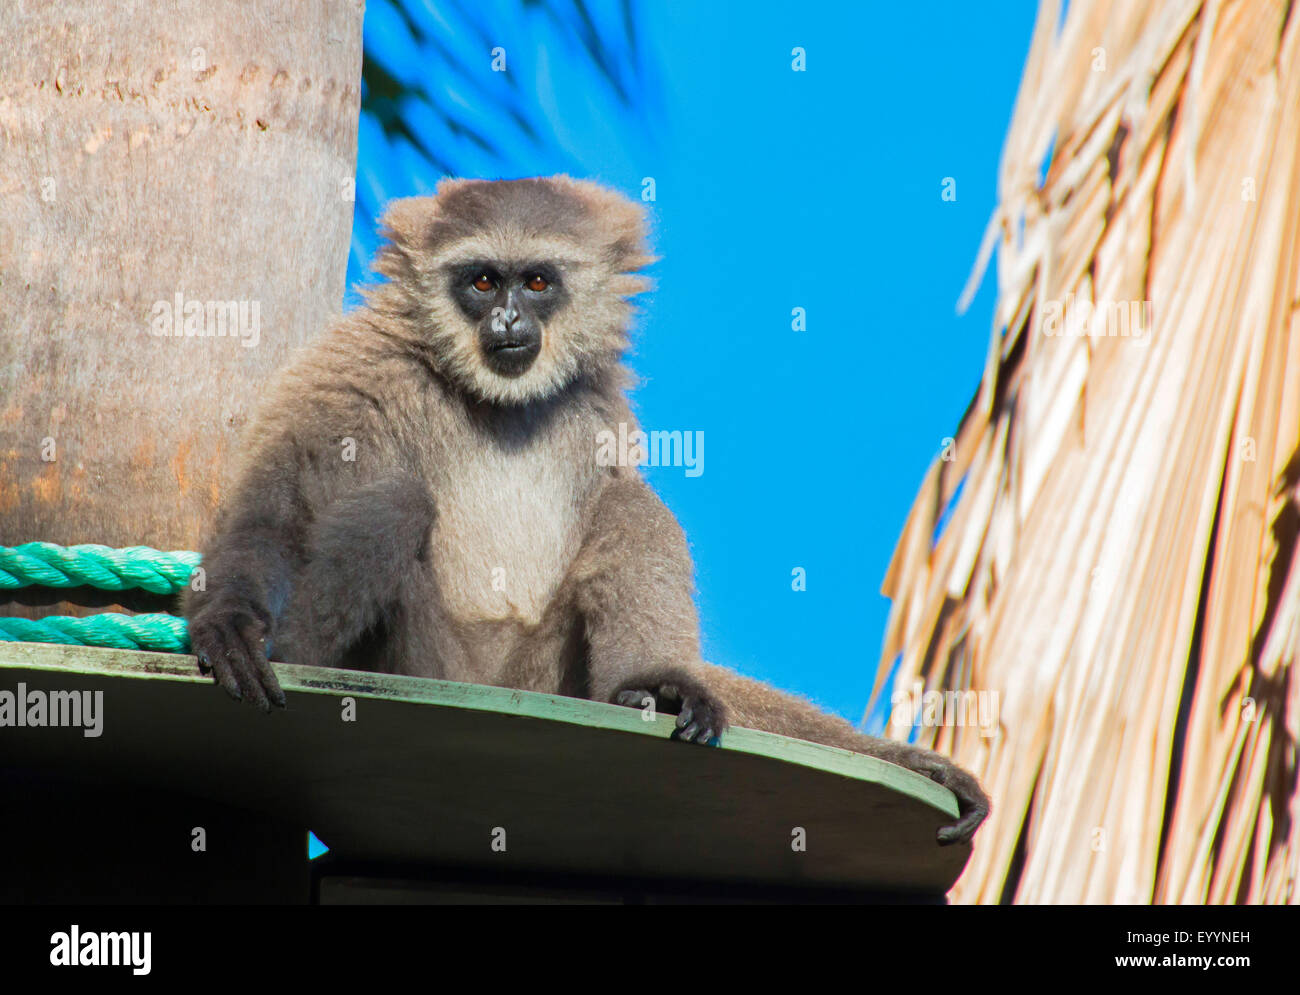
x=45, y=564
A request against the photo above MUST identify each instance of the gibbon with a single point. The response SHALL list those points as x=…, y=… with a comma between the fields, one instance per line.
x=420, y=494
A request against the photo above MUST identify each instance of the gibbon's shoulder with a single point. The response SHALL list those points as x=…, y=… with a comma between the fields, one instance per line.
x=356, y=378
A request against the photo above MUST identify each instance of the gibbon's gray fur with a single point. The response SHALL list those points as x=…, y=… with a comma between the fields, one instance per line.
x=419, y=492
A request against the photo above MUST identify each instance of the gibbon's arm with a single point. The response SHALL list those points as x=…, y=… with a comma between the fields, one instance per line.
x=248, y=566
x=303, y=583
x=634, y=580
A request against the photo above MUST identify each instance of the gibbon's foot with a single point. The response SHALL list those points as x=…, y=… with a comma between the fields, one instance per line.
x=229, y=640
x=972, y=802
x=701, y=718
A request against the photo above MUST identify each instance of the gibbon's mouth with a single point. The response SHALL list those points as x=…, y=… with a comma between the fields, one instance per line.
x=511, y=357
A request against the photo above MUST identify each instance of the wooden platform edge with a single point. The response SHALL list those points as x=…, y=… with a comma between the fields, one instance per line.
x=296, y=678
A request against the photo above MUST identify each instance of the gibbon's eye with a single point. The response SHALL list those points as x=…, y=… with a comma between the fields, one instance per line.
x=537, y=284
x=484, y=283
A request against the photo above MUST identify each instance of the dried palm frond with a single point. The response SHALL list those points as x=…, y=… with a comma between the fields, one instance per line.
x=1121, y=564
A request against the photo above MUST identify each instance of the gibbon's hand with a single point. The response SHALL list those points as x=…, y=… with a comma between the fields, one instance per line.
x=701, y=717
x=229, y=637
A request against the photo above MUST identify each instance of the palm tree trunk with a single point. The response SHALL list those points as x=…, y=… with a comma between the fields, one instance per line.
x=198, y=153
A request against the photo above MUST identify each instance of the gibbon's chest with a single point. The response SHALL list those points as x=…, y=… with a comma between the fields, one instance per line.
x=507, y=527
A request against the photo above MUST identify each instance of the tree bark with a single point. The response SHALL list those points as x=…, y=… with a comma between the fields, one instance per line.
x=200, y=152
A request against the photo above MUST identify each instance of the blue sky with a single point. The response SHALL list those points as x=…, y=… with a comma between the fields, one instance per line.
x=778, y=189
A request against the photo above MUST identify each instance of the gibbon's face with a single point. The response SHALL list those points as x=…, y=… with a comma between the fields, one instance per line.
x=519, y=286
x=510, y=305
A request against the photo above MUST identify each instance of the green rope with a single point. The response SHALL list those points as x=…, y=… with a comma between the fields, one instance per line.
x=154, y=631
x=45, y=564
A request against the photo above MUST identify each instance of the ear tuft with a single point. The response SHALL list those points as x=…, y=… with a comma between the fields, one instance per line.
x=406, y=220
x=620, y=223
x=409, y=227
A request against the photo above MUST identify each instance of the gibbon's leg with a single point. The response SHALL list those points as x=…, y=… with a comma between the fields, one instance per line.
x=633, y=580
x=366, y=553
x=302, y=597
x=755, y=705
x=758, y=706
x=415, y=632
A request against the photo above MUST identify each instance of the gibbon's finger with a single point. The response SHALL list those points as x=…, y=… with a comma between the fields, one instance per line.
x=634, y=699
x=253, y=636
x=702, y=713
x=688, y=734
x=220, y=640
x=250, y=686
x=214, y=654
x=697, y=732
x=271, y=683
x=222, y=671
x=230, y=662
x=701, y=730
x=224, y=675
x=229, y=657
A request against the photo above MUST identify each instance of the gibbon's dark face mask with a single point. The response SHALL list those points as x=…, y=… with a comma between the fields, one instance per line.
x=509, y=303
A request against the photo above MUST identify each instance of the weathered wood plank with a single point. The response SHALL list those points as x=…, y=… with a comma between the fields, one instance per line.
x=430, y=768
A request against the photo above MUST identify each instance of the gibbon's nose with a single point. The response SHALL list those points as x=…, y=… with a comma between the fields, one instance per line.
x=505, y=323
